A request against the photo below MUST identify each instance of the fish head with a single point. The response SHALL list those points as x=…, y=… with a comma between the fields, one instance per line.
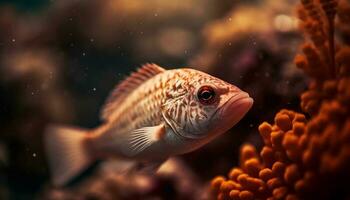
x=204, y=106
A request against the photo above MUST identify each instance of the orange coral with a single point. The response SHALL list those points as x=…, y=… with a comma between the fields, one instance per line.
x=343, y=21
x=298, y=158
x=303, y=159
x=319, y=57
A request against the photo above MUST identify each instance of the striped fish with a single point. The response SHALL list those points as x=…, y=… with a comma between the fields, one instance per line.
x=151, y=115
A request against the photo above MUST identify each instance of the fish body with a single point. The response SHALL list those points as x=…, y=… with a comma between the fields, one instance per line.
x=150, y=116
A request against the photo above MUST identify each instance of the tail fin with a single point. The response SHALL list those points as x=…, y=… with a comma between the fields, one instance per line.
x=67, y=153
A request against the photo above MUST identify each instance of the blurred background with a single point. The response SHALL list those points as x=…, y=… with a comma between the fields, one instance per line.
x=59, y=59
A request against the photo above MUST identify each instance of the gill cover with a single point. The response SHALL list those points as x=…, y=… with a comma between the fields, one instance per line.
x=184, y=113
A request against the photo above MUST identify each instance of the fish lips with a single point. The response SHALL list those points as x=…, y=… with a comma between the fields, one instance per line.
x=233, y=110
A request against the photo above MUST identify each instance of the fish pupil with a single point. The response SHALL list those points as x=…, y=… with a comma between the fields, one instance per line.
x=206, y=95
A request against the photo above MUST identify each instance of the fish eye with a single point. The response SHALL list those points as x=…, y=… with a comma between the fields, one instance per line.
x=206, y=95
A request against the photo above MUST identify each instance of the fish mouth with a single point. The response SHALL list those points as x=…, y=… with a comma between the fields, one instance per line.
x=233, y=110
x=236, y=101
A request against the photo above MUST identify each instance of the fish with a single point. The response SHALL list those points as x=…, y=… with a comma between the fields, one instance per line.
x=150, y=116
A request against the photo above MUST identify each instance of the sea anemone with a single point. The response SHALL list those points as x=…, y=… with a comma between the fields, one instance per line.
x=303, y=157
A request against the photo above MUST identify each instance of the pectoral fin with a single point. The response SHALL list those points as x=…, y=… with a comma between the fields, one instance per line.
x=140, y=139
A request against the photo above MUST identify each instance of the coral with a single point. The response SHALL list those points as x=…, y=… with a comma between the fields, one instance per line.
x=303, y=158
x=342, y=22
x=299, y=158
x=318, y=58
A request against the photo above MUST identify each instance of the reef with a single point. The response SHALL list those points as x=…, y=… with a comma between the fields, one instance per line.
x=305, y=156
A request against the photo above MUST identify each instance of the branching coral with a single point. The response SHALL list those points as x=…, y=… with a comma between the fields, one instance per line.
x=303, y=158
x=343, y=21
x=318, y=59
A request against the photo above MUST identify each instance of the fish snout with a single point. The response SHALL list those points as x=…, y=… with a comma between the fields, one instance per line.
x=238, y=104
x=235, y=108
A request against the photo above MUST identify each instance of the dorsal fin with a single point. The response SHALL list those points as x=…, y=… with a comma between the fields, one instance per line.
x=124, y=88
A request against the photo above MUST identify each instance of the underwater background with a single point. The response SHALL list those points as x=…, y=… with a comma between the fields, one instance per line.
x=59, y=59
